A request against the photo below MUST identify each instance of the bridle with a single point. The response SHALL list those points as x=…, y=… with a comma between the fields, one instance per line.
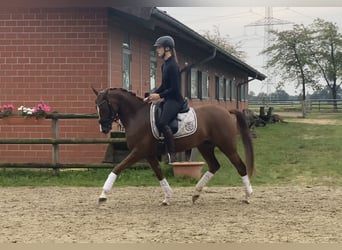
x=113, y=116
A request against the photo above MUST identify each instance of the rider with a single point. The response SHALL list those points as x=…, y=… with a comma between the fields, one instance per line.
x=169, y=90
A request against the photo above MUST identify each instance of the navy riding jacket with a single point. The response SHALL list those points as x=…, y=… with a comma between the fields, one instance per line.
x=170, y=87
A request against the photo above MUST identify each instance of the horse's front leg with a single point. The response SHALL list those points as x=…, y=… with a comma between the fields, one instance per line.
x=128, y=161
x=201, y=184
x=208, y=154
x=163, y=182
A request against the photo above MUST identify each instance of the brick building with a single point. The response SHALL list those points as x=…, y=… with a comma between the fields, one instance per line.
x=54, y=52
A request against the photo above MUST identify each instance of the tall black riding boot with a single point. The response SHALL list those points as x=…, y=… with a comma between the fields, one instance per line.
x=170, y=144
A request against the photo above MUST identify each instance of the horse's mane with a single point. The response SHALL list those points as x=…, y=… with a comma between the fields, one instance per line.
x=127, y=91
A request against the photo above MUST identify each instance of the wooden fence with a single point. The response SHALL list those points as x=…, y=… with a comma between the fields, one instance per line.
x=311, y=105
x=56, y=141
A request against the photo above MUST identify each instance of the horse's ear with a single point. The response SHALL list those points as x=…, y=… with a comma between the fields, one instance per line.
x=94, y=90
x=105, y=95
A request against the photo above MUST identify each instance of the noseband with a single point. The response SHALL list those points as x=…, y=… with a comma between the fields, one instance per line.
x=113, y=116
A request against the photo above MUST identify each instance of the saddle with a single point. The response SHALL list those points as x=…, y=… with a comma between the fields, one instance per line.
x=184, y=124
x=174, y=122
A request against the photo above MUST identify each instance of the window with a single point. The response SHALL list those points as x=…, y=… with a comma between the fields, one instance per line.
x=217, y=83
x=194, y=83
x=198, y=84
x=243, y=92
x=205, y=85
x=246, y=92
x=221, y=88
x=225, y=97
x=126, y=62
x=232, y=90
x=153, y=69
x=227, y=90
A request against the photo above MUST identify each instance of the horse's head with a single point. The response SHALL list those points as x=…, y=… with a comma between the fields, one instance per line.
x=107, y=111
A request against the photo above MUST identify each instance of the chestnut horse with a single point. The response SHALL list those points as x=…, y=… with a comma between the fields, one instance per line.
x=217, y=127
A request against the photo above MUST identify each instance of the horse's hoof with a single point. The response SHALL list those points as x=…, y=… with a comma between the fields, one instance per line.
x=165, y=203
x=248, y=199
x=195, y=198
x=102, y=200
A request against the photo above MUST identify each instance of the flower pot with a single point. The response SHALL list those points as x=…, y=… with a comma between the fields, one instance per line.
x=191, y=169
x=23, y=120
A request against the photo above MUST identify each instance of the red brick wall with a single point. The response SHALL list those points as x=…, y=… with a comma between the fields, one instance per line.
x=53, y=55
x=115, y=50
x=140, y=64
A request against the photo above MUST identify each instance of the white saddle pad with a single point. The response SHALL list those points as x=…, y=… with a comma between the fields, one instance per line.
x=187, y=123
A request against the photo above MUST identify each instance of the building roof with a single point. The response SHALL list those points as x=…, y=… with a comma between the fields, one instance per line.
x=154, y=17
x=149, y=17
x=201, y=41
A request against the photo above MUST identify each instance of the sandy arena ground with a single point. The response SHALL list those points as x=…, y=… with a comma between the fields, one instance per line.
x=323, y=121
x=133, y=214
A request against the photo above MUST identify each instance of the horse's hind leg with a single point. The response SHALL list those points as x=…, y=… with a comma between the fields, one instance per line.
x=241, y=168
x=207, y=151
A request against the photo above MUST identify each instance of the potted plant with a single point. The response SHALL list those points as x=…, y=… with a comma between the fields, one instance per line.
x=7, y=110
x=38, y=111
x=27, y=116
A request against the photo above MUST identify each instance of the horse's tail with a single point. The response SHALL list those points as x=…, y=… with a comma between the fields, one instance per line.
x=246, y=139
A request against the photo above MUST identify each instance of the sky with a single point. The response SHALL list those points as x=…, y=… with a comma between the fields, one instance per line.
x=239, y=24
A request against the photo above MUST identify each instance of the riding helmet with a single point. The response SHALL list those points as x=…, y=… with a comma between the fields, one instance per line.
x=165, y=41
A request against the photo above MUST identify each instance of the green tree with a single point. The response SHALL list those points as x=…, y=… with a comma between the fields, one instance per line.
x=251, y=96
x=224, y=42
x=288, y=57
x=280, y=95
x=326, y=53
x=324, y=93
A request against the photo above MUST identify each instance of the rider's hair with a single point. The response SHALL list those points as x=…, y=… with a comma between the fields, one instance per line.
x=175, y=55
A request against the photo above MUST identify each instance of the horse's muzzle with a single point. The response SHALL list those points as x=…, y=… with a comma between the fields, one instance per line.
x=105, y=128
x=105, y=131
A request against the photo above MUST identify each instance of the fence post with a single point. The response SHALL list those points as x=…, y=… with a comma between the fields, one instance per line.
x=55, y=155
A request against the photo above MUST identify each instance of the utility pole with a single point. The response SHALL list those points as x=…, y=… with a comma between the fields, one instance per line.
x=268, y=22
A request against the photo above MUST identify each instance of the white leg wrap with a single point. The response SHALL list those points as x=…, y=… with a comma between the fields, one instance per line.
x=247, y=184
x=167, y=192
x=203, y=181
x=103, y=195
x=109, y=182
x=166, y=187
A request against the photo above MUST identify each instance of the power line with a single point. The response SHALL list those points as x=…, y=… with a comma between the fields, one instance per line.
x=268, y=22
x=301, y=14
x=224, y=17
